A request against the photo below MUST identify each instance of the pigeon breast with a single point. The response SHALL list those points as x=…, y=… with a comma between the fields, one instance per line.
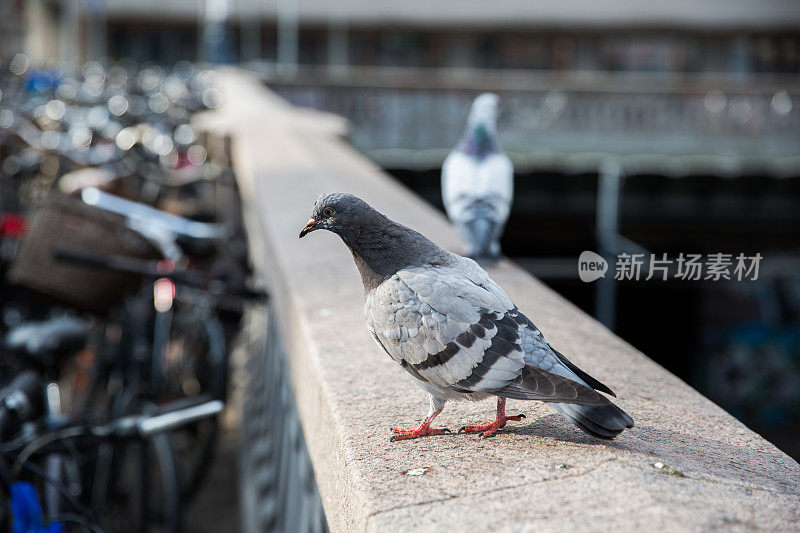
x=470, y=183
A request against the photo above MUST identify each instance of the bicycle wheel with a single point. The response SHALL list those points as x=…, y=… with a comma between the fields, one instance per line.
x=194, y=358
x=144, y=494
x=194, y=363
x=136, y=485
x=187, y=358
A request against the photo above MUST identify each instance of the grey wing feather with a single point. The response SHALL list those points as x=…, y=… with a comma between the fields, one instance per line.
x=537, y=384
x=406, y=366
x=539, y=353
x=444, y=328
x=590, y=381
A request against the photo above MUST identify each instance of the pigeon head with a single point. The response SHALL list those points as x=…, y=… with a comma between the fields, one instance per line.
x=484, y=111
x=380, y=246
x=338, y=212
x=479, y=136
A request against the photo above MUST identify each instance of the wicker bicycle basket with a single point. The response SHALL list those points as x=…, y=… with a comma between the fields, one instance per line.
x=67, y=222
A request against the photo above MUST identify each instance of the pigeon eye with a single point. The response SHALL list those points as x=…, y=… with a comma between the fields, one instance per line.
x=328, y=212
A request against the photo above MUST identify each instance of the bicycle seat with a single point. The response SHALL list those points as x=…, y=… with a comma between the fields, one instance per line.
x=49, y=339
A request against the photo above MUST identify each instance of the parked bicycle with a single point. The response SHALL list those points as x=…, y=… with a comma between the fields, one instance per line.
x=116, y=475
x=113, y=366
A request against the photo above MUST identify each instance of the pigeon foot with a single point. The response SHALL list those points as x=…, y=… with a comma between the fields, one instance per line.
x=490, y=428
x=419, y=431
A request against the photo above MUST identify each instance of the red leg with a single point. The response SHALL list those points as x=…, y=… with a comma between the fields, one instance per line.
x=424, y=428
x=490, y=428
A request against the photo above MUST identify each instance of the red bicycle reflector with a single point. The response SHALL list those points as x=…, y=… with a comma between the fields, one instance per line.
x=12, y=225
x=165, y=266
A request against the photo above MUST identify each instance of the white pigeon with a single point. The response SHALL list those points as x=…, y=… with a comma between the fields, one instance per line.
x=450, y=326
x=478, y=182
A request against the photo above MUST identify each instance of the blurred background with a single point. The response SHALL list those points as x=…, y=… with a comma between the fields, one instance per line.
x=659, y=127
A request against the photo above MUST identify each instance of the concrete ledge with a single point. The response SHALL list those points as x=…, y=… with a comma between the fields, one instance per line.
x=542, y=472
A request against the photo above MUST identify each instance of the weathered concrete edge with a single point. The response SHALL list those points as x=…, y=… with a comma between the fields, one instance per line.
x=334, y=477
x=246, y=127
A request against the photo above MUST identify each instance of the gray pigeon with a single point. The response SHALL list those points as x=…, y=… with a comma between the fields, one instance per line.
x=443, y=319
x=478, y=182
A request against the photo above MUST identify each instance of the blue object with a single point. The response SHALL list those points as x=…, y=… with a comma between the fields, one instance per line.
x=42, y=81
x=27, y=511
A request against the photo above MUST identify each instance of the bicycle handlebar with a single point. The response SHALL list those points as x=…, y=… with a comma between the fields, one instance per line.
x=174, y=419
x=138, y=426
x=154, y=269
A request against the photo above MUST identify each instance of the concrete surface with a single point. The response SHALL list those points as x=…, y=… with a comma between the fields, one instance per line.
x=687, y=465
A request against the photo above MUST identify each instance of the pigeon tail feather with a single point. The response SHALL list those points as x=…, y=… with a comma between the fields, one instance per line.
x=481, y=233
x=601, y=421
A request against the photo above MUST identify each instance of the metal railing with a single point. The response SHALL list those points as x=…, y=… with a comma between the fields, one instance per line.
x=278, y=490
x=413, y=120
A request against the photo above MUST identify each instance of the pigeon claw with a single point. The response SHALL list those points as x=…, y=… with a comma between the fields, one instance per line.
x=421, y=431
x=490, y=428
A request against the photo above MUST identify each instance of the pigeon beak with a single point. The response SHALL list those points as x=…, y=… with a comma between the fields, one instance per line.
x=310, y=226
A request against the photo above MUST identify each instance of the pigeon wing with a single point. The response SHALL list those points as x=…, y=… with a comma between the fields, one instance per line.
x=496, y=183
x=454, y=327
x=459, y=178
